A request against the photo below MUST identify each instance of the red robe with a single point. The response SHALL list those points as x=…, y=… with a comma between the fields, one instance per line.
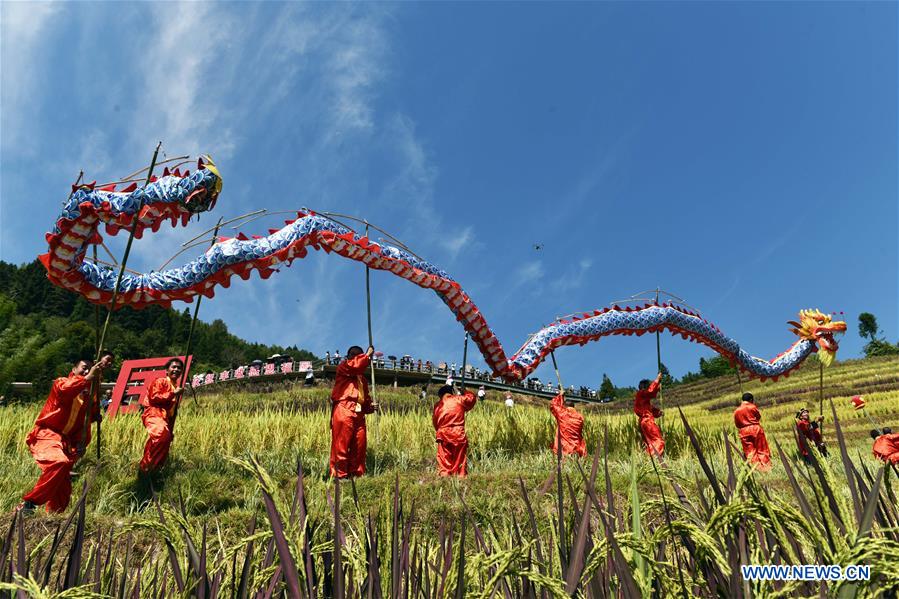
x=55, y=438
x=752, y=436
x=157, y=418
x=569, y=427
x=805, y=433
x=350, y=402
x=449, y=423
x=886, y=448
x=647, y=414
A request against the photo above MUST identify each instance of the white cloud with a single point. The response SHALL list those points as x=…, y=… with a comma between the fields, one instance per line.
x=529, y=272
x=211, y=78
x=415, y=180
x=23, y=28
x=355, y=69
x=770, y=248
x=413, y=189
x=592, y=189
x=177, y=64
x=574, y=277
x=95, y=156
x=455, y=243
x=730, y=290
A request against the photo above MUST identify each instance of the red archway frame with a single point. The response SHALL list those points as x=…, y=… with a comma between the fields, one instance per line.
x=134, y=377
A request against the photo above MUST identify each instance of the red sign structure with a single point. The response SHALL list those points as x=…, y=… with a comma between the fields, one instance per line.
x=134, y=378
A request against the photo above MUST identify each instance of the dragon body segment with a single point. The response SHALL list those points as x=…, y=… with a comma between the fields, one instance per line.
x=176, y=196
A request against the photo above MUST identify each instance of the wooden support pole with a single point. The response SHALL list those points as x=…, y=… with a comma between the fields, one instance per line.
x=820, y=387
x=134, y=225
x=115, y=293
x=659, y=356
x=374, y=399
x=552, y=354
x=464, y=361
x=190, y=335
x=97, y=352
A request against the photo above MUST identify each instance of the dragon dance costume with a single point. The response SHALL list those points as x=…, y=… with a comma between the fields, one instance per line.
x=647, y=414
x=55, y=439
x=350, y=402
x=449, y=424
x=748, y=419
x=159, y=408
x=886, y=448
x=569, y=428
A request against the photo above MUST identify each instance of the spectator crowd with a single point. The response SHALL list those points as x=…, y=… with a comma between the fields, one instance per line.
x=277, y=364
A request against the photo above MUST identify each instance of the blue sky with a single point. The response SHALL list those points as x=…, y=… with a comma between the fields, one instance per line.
x=740, y=155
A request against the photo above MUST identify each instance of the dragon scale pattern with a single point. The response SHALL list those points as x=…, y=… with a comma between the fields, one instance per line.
x=176, y=196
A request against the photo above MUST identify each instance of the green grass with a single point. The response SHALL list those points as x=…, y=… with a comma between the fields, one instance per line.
x=291, y=425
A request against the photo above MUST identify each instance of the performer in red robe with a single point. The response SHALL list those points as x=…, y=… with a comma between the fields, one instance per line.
x=647, y=414
x=58, y=438
x=809, y=431
x=449, y=424
x=886, y=445
x=159, y=404
x=350, y=402
x=569, y=427
x=755, y=445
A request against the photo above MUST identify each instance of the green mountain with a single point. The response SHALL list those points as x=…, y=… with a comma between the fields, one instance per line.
x=44, y=328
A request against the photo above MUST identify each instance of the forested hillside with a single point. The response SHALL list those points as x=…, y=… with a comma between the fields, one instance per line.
x=43, y=328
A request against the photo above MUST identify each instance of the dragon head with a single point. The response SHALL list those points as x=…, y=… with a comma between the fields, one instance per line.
x=207, y=190
x=816, y=326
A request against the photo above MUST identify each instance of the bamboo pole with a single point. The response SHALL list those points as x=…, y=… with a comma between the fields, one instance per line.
x=464, y=361
x=217, y=227
x=118, y=282
x=562, y=552
x=134, y=225
x=128, y=178
x=114, y=265
x=659, y=359
x=111, y=256
x=190, y=336
x=820, y=387
x=374, y=399
x=876, y=426
x=94, y=397
x=552, y=354
x=331, y=215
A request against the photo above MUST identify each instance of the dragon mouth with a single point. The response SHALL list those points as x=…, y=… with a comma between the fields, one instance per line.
x=826, y=341
x=824, y=336
x=201, y=200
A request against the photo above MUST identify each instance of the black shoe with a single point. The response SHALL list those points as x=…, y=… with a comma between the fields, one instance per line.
x=26, y=507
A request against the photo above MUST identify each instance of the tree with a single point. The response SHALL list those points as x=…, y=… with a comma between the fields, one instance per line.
x=667, y=381
x=606, y=389
x=44, y=328
x=7, y=310
x=880, y=347
x=867, y=326
x=715, y=367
